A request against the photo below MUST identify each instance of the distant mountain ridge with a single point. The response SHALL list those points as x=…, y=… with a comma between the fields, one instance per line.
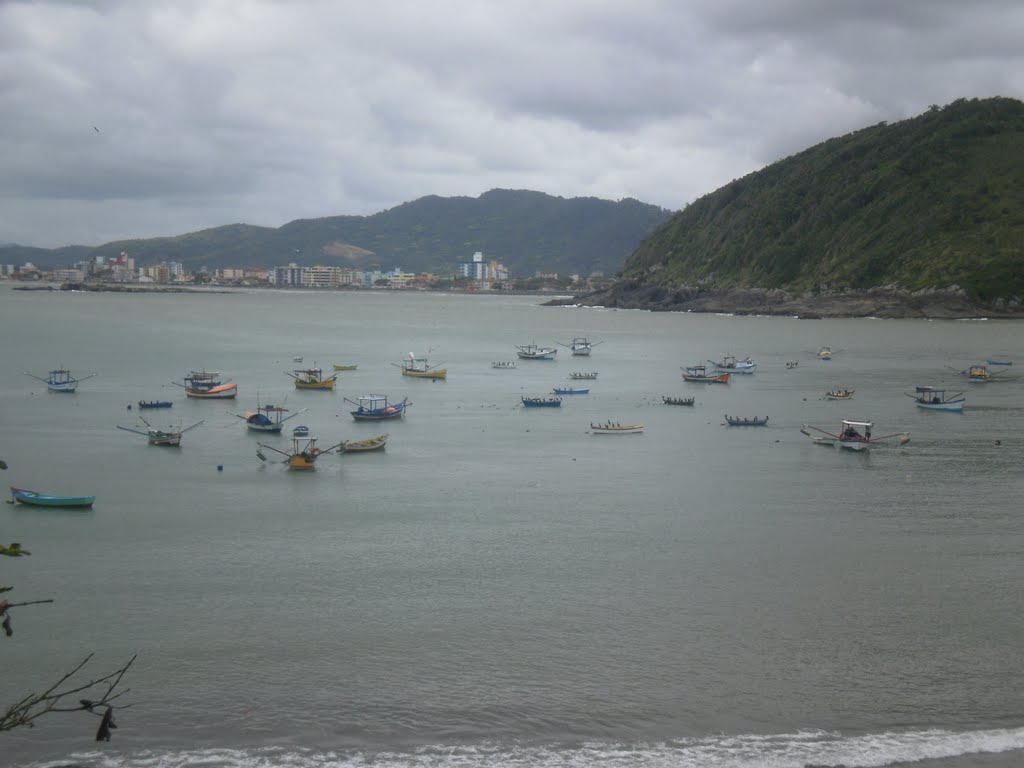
x=526, y=231
x=930, y=204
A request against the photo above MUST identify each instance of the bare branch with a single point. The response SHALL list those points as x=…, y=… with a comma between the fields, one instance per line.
x=34, y=706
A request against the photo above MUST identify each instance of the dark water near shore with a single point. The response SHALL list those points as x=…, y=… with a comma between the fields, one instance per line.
x=501, y=587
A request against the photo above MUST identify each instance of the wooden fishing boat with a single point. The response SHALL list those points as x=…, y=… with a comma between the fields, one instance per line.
x=580, y=346
x=614, y=428
x=791, y=364
x=838, y=394
x=825, y=353
x=933, y=399
x=753, y=421
x=35, y=499
x=542, y=402
x=978, y=374
x=852, y=436
x=699, y=374
x=678, y=400
x=60, y=380
x=377, y=408
x=503, y=364
x=167, y=438
x=312, y=378
x=417, y=368
x=266, y=418
x=300, y=431
x=729, y=364
x=303, y=455
x=533, y=352
x=583, y=375
x=369, y=444
x=345, y=367
x=144, y=404
x=569, y=391
x=207, y=385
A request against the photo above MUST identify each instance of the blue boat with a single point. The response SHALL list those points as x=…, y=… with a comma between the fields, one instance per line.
x=542, y=402
x=155, y=403
x=377, y=408
x=990, y=361
x=300, y=431
x=570, y=391
x=33, y=499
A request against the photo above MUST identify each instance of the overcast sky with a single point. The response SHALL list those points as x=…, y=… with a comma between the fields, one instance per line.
x=131, y=118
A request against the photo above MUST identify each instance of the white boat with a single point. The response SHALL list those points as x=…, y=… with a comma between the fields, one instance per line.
x=852, y=436
x=533, y=352
x=729, y=364
x=933, y=399
x=614, y=428
x=503, y=364
x=581, y=346
x=60, y=380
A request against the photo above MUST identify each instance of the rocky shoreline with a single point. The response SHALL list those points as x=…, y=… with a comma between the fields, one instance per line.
x=887, y=302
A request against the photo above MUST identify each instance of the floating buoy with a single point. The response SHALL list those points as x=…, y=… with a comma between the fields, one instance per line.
x=220, y=467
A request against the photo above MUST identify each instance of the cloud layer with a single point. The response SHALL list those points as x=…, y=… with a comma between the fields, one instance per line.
x=131, y=118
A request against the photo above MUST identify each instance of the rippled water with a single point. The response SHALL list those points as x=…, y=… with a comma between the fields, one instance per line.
x=501, y=587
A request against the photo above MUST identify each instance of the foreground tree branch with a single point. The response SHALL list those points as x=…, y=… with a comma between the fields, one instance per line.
x=57, y=697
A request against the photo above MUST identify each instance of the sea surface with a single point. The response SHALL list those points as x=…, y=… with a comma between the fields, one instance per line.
x=501, y=587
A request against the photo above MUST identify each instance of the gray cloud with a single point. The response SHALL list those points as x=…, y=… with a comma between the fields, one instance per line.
x=265, y=110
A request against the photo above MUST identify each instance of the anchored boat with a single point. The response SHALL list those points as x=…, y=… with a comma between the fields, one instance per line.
x=570, y=391
x=533, y=352
x=838, y=394
x=377, y=408
x=729, y=364
x=34, y=499
x=699, y=373
x=266, y=418
x=207, y=385
x=303, y=455
x=312, y=378
x=542, y=402
x=581, y=346
x=60, y=380
x=933, y=399
x=168, y=438
x=360, y=446
x=417, y=368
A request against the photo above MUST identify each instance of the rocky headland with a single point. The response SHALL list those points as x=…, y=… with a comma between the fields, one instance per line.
x=888, y=302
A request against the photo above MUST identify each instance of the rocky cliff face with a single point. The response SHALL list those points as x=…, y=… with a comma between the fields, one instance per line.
x=876, y=302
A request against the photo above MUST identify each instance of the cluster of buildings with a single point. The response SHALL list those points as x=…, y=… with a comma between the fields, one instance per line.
x=476, y=274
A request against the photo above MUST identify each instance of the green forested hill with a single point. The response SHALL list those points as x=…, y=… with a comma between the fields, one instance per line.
x=527, y=231
x=933, y=201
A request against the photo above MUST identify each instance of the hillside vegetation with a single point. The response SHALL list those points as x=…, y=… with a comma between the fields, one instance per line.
x=931, y=202
x=527, y=231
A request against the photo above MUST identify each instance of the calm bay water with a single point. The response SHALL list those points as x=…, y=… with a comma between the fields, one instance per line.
x=501, y=587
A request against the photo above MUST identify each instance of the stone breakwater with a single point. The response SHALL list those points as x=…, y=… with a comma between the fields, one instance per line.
x=875, y=302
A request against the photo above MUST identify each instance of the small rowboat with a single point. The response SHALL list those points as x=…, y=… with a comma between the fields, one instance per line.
x=699, y=374
x=300, y=431
x=542, y=402
x=155, y=403
x=33, y=499
x=369, y=444
x=991, y=361
x=755, y=421
x=503, y=364
x=570, y=391
x=838, y=394
x=614, y=428
x=583, y=375
x=345, y=367
x=678, y=400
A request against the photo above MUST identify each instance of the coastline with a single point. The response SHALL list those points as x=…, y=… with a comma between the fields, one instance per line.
x=883, y=302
